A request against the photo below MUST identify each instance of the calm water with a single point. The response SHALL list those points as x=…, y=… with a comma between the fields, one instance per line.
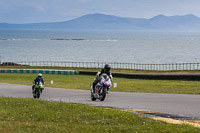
x=135, y=47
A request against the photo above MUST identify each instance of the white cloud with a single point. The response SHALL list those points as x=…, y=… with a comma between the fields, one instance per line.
x=38, y=7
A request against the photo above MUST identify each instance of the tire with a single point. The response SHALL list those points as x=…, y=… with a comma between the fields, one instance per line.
x=38, y=94
x=92, y=97
x=103, y=95
x=34, y=94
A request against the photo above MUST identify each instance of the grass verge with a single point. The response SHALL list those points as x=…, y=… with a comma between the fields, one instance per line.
x=123, y=85
x=19, y=115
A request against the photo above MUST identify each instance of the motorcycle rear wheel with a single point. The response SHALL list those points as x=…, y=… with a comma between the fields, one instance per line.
x=103, y=95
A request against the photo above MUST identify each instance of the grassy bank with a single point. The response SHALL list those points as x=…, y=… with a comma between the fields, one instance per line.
x=113, y=70
x=123, y=84
x=29, y=115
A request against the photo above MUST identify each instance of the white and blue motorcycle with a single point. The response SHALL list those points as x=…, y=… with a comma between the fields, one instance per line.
x=101, y=88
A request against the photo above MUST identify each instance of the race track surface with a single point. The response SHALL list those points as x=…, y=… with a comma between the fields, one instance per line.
x=177, y=104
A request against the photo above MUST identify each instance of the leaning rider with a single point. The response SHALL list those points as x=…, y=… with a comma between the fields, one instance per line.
x=38, y=79
x=106, y=70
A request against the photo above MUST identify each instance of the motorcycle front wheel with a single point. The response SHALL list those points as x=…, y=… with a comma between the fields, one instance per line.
x=36, y=93
x=103, y=95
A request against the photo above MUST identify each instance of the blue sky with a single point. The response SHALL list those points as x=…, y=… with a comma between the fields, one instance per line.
x=31, y=11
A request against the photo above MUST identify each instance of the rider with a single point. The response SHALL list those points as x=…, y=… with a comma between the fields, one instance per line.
x=106, y=70
x=38, y=79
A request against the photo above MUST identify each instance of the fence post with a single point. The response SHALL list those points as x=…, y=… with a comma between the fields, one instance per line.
x=172, y=66
x=194, y=66
x=164, y=67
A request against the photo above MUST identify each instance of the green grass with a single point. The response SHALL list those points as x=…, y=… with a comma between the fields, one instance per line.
x=19, y=115
x=123, y=84
x=113, y=70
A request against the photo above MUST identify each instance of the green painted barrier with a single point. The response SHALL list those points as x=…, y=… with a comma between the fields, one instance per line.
x=66, y=72
x=40, y=71
x=59, y=72
x=53, y=72
x=33, y=71
x=47, y=71
x=75, y=72
x=72, y=73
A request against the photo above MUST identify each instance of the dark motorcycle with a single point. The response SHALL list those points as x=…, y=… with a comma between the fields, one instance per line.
x=38, y=89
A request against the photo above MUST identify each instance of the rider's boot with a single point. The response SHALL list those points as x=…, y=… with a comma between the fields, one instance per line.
x=42, y=90
x=33, y=89
x=107, y=91
x=93, y=87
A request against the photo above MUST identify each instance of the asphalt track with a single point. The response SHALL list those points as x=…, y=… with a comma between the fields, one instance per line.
x=176, y=104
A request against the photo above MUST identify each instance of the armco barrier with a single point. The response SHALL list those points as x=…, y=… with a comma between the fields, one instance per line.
x=46, y=71
x=150, y=76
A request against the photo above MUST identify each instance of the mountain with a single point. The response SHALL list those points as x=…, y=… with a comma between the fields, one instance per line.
x=180, y=23
x=109, y=22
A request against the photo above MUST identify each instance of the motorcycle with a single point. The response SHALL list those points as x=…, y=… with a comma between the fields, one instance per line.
x=38, y=89
x=101, y=88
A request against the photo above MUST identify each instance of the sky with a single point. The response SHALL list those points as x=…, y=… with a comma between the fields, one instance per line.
x=35, y=11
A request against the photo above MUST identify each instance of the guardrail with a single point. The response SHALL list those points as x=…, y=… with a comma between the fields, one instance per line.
x=158, y=67
x=46, y=71
x=193, y=77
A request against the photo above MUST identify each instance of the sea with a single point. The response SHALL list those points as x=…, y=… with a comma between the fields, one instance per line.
x=100, y=46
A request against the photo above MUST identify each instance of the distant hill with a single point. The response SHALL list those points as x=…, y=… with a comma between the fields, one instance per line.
x=109, y=22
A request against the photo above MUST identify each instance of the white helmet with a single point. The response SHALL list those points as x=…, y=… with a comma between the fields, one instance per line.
x=39, y=75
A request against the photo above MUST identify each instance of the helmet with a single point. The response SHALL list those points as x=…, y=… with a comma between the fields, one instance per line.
x=39, y=75
x=107, y=67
